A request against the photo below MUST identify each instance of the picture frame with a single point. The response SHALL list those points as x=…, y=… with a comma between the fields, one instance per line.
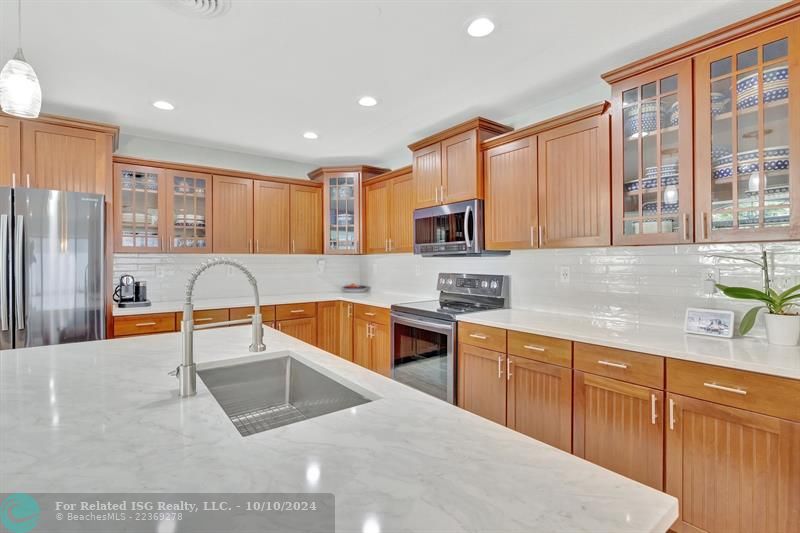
x=709, y=322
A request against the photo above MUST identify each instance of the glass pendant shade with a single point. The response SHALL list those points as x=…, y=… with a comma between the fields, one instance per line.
x=20, y=93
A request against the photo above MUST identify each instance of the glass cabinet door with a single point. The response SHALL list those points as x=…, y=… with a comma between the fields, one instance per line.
x=748, y=138
x=652, y=160
x=188, y=212
x=342, y=200
x=138, y=198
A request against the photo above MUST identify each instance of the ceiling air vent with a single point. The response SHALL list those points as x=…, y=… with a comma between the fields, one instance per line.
x=201, y=8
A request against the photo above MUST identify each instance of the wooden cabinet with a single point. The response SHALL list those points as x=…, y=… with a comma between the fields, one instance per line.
x=575, y=184
x=372, y=346
x=619, y=426
x=305, y=208
x=304, y=329
x=482, y=382
x=747, y=138
x=448, y=166
x=233, y=215
x=9, y=151
x=376, y=230
x=335, y=328
x=651, y=147
x=188, y=212
x=733, y=471
x=461, y=175
x=139, y=207
x=65, y=158
x=539, y=401
x=389, y=213
x=271, y=217
x=144, y=324
x=511, y=205
x=343, y=230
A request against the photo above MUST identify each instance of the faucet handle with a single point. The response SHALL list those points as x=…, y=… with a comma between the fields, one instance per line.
x=174, y=372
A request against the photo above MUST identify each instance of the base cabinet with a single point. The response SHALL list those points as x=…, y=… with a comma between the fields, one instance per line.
x=371, y=346
x=482, y=382
x=733, y=471
x=304, y=329
x=619, y=426
x=539, y=401
x=335, y=328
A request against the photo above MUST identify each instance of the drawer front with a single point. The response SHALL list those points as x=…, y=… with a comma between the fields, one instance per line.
x=770, y=395
x=482, y=336
x=206, y=316
x=292, y=311
x=633, y=367
x=267, y=313
x=371, y=313
x=143, y=324
x=539, y=348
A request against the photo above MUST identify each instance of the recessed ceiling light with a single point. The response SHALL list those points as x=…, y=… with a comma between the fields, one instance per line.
x=480, y=27
x=163, y=105
x=310, y=135
x=367, y=101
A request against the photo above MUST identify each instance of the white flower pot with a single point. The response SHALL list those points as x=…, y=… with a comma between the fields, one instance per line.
x=783, y=330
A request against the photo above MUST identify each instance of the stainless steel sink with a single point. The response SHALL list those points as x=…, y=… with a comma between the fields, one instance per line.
x=265, y=394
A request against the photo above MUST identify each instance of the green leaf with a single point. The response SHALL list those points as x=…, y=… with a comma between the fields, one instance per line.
x=745, y=293
x=788, y=292
x=749, y=320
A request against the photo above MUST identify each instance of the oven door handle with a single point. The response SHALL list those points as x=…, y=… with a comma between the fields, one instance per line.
x=467, y=233
x=431, y=326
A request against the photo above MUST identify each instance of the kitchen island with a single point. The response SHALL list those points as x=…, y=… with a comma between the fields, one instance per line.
x=105, y=417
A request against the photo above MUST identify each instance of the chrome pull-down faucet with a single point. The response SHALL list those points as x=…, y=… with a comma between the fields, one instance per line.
x=187, y=370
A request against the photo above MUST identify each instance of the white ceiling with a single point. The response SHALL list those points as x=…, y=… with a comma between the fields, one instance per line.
x=256, y=78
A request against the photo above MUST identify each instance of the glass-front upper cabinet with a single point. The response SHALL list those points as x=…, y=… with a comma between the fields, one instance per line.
x=188, y=213
x=342, y=197
x=652, y=157
x=748, y=138
x=138, y=206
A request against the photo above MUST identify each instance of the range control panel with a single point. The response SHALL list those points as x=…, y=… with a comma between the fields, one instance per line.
x=479, y=284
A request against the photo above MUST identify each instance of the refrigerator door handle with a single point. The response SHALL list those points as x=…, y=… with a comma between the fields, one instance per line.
x=19, y=305
x=4, y=272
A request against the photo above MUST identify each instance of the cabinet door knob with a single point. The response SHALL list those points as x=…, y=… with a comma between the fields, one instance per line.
x=686, y=226
x=508, y=368
x=653, y=414
x=671, y=414
x=499, y=367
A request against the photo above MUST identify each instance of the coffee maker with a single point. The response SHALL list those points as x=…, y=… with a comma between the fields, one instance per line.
x=131, y=293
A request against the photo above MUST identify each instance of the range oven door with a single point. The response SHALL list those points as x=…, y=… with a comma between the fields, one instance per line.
x=452, y=229
x=423, y=354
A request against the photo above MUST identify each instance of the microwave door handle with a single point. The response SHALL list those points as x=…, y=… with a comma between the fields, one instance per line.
x=467, y=232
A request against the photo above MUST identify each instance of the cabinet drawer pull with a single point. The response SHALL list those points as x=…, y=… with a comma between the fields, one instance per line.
x=671, y=414
x=508, y=368
x=369, y=314
x=499, y=367
x=653, y=414
x=734, y=390
x=478, y=336
x=610, y=363
x=206, y=319
x=534, y=348
x=145, y=324
x=295, y=311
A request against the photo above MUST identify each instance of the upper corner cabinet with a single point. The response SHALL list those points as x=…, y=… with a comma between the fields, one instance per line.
x=342, y=206
x=747, y=138
x=652, y=163
x=448, y=166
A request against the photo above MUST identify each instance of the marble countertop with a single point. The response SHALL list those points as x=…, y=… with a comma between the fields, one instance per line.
x=747, y=353
x=380, y=299
x=104, y=416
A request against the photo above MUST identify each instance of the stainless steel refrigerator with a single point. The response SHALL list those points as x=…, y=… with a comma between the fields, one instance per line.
x=51, y=270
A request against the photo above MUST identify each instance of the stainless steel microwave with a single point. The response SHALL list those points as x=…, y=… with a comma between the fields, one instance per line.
x=451, y=229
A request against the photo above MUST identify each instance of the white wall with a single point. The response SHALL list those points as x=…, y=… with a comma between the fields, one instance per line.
x=149, y=148
x=649, y=284
x=166, y=274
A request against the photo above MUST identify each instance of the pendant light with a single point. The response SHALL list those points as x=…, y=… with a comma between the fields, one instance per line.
x=20, y=93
